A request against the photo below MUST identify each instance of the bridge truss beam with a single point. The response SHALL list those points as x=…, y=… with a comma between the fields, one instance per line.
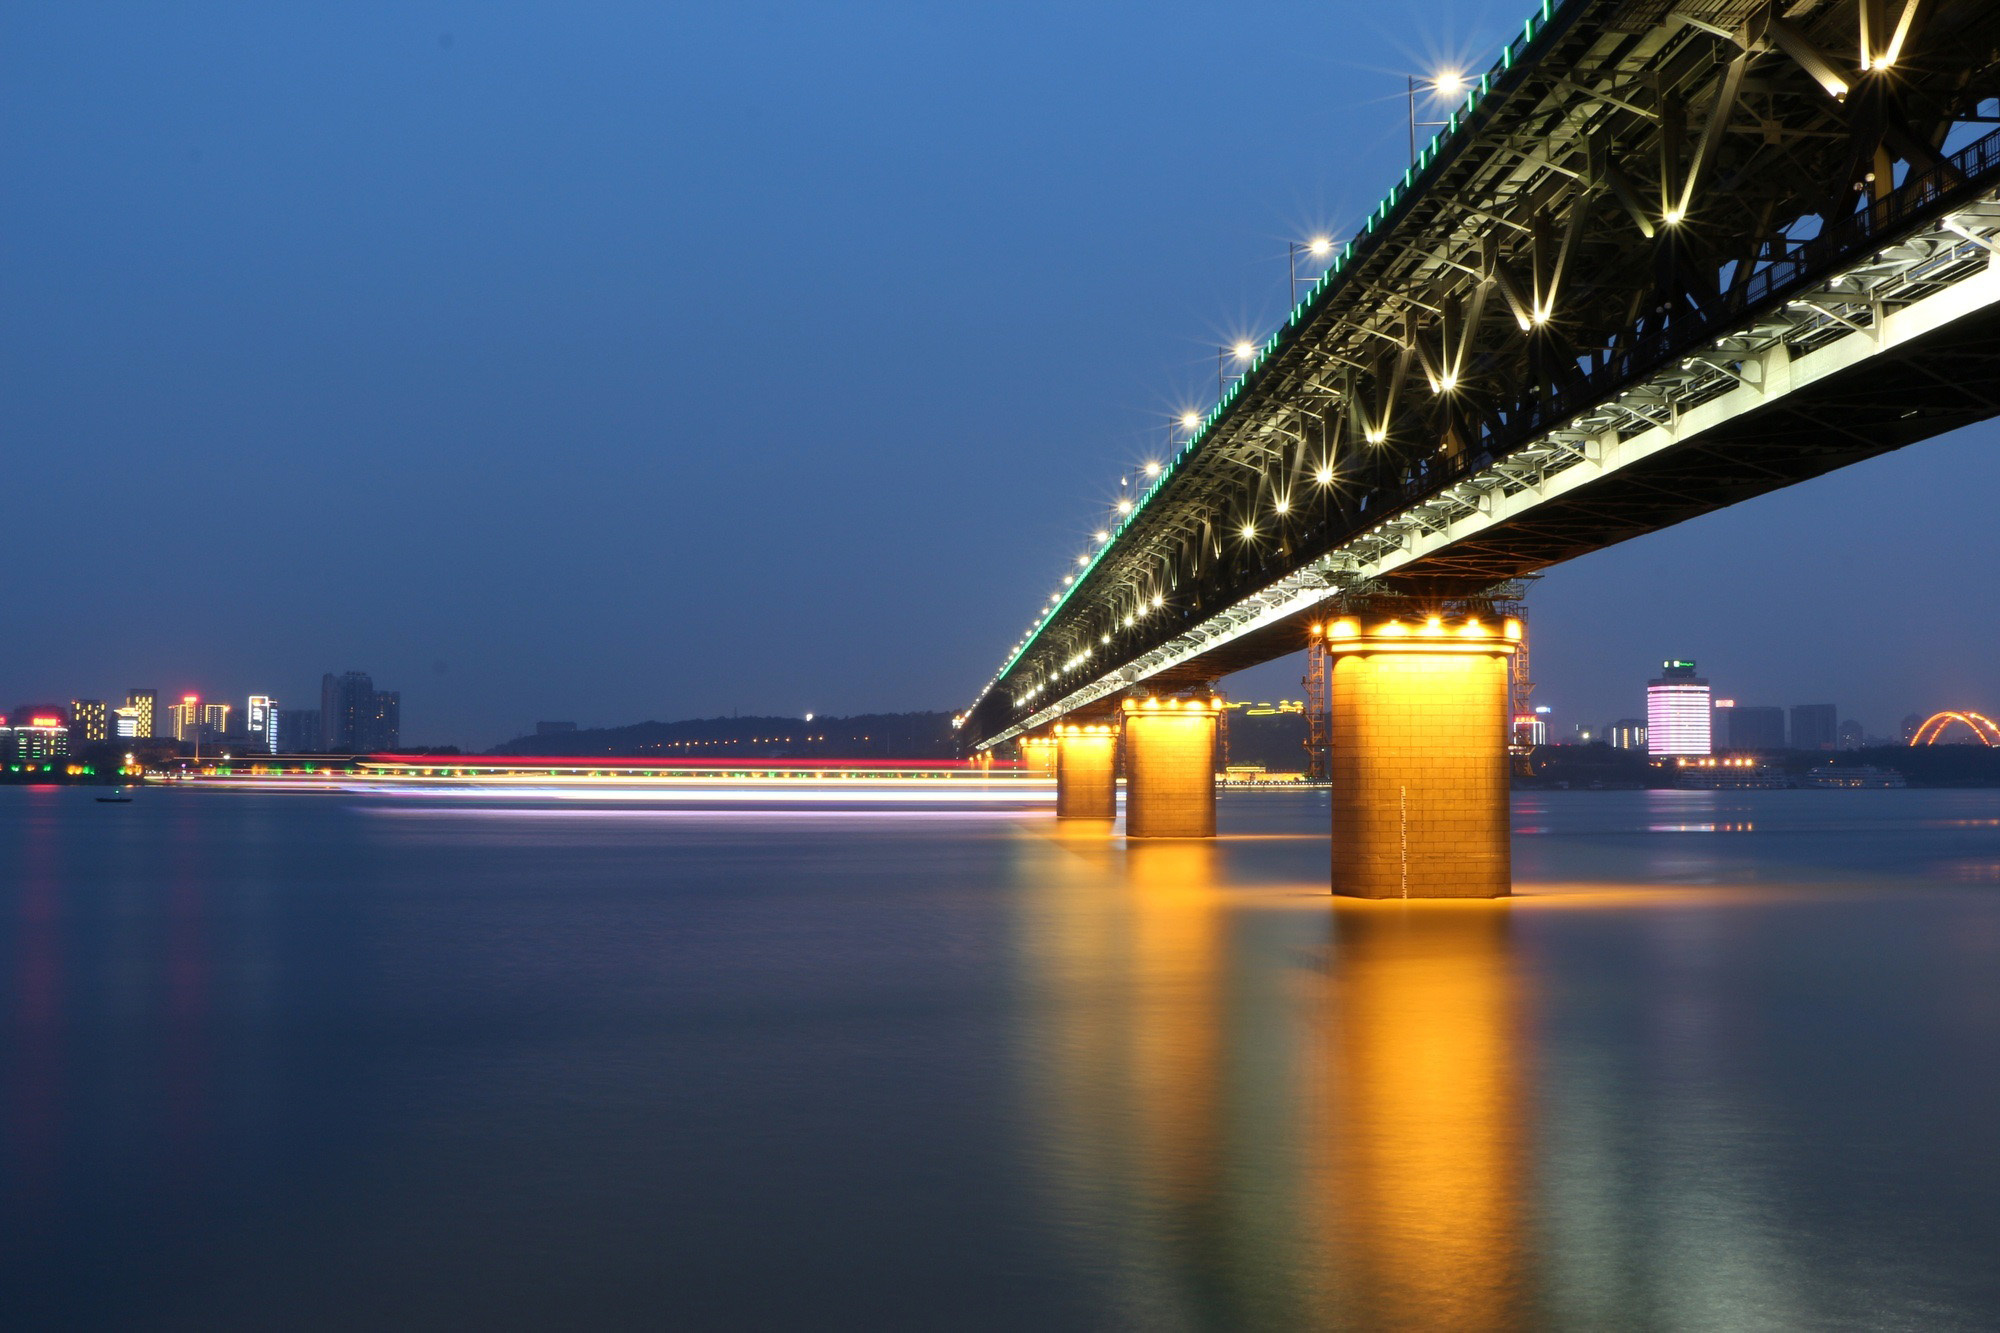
x=1658, y=265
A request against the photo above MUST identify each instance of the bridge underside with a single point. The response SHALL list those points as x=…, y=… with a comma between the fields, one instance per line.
x=1667, y=256
x=1934, y=384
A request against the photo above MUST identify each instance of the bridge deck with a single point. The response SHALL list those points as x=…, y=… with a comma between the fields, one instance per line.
x=1655, y=266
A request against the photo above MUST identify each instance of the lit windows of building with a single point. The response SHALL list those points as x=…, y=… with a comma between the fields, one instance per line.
x=184, y=718
x=144, y=706
x=1628, y=733
x=89, y=722
x=38, y=736
x=214, y=720
x=1678, y=712
x=127, y=724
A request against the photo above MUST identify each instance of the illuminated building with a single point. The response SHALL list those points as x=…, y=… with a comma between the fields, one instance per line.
x=184, y=718
x=357, y=718
x=1815, y=727
x=1677, y=712
x=37, y=736
x=126, y=722
x=145, y=712
x=89, y=722
x=1628, y=733
x=214, y=720
x=1532, y=728
x=1752, y=728
x=260, y=720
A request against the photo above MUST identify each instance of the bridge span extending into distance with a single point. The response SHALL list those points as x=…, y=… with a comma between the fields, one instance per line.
x=1666, y=255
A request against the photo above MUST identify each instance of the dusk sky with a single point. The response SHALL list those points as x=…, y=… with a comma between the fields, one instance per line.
x=611, y=362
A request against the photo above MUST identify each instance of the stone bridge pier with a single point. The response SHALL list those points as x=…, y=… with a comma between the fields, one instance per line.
x=1419, y=755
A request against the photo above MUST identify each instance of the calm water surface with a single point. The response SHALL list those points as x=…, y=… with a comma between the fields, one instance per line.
x=314, y=1061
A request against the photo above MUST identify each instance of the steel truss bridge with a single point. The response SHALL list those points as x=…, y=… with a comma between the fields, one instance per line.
x=1666, y=256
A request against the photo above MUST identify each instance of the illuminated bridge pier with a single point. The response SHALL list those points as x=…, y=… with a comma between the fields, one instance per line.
x=1038, y=755
x=1086, y=771
x=1665, y=256
x=1419, y=756
x=1170, y=767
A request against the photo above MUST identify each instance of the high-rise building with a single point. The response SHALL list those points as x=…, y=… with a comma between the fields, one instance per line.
x=1677, y=712
x=146, y=717
x=126, y=723
x=89, y=722
x=1753, y=728
x=383, y=729
x=214, y=721
x=1815, y=727
x=1628, y=733
x=343, y=699
x=298, y=731
x=260, y=722
x=184, y=719
x=357, y=718
x=1852, y=737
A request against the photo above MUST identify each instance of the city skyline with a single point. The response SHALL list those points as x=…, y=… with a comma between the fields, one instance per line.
x=1561, y=719
x=350, y=715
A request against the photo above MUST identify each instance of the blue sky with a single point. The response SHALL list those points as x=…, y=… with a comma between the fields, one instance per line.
x=620, y=361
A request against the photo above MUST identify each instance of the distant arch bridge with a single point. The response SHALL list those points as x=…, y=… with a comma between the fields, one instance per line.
x=1983, y=728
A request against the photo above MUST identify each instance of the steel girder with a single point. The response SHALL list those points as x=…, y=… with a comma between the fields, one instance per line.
x=1650, y=196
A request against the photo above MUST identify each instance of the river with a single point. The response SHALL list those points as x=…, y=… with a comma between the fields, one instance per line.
x=1729, y=1060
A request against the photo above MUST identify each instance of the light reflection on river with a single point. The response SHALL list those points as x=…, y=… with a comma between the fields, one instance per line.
x=1728, y=1061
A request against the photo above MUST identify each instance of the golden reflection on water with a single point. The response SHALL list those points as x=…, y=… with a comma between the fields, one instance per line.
x=1425, y=1138
x=1338, y=1141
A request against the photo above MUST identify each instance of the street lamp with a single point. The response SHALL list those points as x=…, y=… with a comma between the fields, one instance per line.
x=1446, y=87
x=1242, y=349
x=1319, y=247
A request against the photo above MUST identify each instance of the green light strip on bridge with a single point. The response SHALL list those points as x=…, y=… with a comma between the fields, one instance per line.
x=1414, y=176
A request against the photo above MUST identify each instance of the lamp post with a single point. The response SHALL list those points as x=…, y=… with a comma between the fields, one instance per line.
x=1242, y=349
x=1319, y=247
x=1449, y=84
